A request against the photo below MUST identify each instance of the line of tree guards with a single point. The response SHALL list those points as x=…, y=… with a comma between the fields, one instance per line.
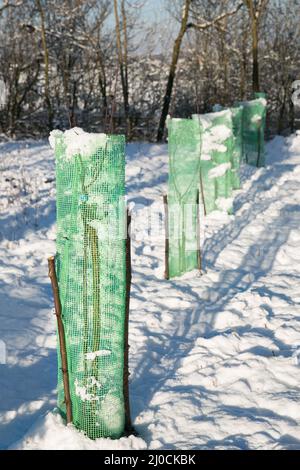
x=100, y=64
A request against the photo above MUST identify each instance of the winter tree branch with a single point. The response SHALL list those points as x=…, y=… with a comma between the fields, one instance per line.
x=7, y=4
x=218, y=19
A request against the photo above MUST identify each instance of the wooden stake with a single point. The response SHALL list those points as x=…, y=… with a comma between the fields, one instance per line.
x=128, y=425
x=199, y=259
x=202, y=193
x=167, y=274
x=258, y=148
x=61, y=335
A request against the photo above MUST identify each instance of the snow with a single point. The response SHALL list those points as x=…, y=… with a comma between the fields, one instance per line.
x=91, y=356
x=219, y=170
x=224, y=204
x=213, y=137
x=51, y=433
x=262, y=101
x=214, y=359
x=78, y=142
x=256, y=118
x=206, y=121
x=82, y=393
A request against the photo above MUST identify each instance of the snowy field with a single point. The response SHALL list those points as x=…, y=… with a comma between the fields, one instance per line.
x=215, y=360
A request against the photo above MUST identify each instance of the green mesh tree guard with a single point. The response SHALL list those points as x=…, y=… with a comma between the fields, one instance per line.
x=91, y=273
x=217, y=159
x=184, y=169
x=237, y=154
x=254, y=121
x=263, y=96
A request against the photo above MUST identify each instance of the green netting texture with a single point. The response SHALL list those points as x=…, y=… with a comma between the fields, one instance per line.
x=91, y=271
x=217, y=159
x=184, y=167
x=263, y=96
x=237, y=154
x=254, y=121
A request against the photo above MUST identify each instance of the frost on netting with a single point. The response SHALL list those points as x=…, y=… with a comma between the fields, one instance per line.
x=184, y=165
x=254, y=123
x=216, y=159
x=90, y=264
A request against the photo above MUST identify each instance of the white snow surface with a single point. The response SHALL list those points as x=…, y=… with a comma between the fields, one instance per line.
x=214, y=359
x=219, y=170
x=78, y=142
x=51, y=433
x=224, y=204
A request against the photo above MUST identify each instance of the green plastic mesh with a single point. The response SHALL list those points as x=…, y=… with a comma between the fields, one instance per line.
x=263, y=96
x=237, y=154
x=217, y=159
x=254, y=121
x=92, y=282
x=184, y=165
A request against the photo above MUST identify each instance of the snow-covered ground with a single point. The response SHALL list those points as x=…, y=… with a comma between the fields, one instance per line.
x=215, y=360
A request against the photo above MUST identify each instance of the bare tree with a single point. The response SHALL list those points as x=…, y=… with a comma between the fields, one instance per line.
x=122, y=48
x=64, y=57
x=172, y=71
x=190, y=6
x=8, y=4
x=256, y=8
x=46, y=63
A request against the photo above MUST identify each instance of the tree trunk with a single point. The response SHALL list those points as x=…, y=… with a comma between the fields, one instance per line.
x=255, y=39
x=46, y=64
x=172, y=72
x=243, y=65
x=122, y=48
x=280, y=124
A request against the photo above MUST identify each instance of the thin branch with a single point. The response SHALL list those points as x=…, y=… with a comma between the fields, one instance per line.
x=208, y=24
x=8, y=4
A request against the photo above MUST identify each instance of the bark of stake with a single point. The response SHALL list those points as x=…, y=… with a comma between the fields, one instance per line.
x=128, y=424
x=167, y=274
x=202, y=193
x=258, y=148
x=199, y=260
x=61, y=335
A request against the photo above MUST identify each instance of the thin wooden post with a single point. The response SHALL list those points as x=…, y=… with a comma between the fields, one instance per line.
x=128, y=425
x=258, y=147
x=199, y=258
x=202, y=192
x=167, y=247
x=61, y=335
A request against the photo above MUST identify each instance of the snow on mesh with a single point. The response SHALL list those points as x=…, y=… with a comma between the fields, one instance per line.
x=78, y=142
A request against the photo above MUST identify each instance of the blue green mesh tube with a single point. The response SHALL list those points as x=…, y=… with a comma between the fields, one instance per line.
x=90, y=182
x=254, y=121
x=184, y=170
x=263, y=96
x=237, y=151
x=217, y=159
x=237, y=154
